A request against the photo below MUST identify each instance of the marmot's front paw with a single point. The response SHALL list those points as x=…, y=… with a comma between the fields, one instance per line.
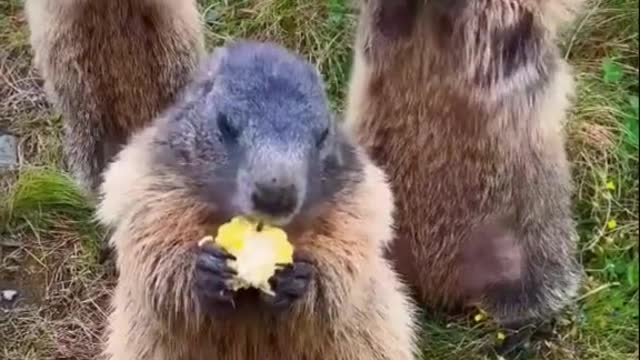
x=212, y=274
x=289, y=284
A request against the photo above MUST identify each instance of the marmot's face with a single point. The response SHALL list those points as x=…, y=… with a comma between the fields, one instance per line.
x=271, y=163
x=260, y=140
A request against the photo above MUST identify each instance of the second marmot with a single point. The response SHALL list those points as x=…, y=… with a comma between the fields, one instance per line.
x=110, y=66
x=462, y=103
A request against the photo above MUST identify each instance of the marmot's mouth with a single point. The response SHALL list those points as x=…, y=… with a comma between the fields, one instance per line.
x=263, y=219
x=259, y=221
x=269, y=213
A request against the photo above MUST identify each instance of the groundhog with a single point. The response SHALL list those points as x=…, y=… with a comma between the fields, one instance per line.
x=109, y=67
x=462, y=103
x=252, y=136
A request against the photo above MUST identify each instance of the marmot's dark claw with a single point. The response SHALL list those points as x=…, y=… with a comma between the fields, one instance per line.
x=212, y=274
x=289, y=284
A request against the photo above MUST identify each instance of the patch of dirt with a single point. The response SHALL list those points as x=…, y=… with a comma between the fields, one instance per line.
x=20, y=273
x=60, y=310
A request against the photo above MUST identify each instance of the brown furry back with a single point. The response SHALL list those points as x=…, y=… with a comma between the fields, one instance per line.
x=356, y=309
x=462, y=102
x=110, y=66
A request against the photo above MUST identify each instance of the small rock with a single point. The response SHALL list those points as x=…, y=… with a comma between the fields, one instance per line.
x=9, y=295
x=10, y=243
x=8, y=152
x=211, y=17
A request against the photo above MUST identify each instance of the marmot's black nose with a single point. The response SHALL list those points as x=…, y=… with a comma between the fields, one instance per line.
x=274, y=200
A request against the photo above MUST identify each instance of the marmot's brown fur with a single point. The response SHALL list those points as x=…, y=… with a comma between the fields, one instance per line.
x=462, y=103
x=258, y=114
x=110, y=66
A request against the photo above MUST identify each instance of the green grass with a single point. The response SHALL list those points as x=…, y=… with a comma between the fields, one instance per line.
x=319, y=30
x=605, y=153
x=42, y=198
x=603, y=145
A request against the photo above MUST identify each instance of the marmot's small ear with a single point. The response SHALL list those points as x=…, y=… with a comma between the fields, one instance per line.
x=342, y=141
x=395, y=18
x=211, y=65
x=318, y=75
x=203, y=78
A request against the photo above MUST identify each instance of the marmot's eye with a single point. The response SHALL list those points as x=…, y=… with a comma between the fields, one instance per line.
x=323, y=137
x=227, y=131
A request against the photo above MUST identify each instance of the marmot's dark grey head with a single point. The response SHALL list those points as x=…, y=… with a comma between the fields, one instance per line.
x=254, y=135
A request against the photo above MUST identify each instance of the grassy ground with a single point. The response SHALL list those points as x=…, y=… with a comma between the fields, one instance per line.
x=48, y=241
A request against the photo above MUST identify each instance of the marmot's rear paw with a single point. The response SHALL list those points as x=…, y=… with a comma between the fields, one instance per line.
x=523, y=334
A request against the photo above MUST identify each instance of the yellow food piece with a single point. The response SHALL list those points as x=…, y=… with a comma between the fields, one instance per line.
x=258, y=253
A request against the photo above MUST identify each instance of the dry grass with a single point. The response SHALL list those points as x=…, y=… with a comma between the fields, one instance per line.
x=61, y=311
x=48, y=240
x=24, y=111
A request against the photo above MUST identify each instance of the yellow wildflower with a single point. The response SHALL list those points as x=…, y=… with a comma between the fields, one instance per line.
x=611, y=185
x=612, y=224
x=480, y=316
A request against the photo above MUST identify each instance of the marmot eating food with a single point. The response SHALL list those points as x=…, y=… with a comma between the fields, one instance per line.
x=252, y=136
